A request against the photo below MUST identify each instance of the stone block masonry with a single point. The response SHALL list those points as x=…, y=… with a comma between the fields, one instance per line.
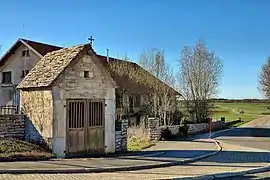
x=198, y=128
x=204, y=127
x=154, y=128
x=121, y=137
x=12, y=126
x=174, y=129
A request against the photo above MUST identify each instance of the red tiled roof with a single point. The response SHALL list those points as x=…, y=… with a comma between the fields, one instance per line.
x=41, y=48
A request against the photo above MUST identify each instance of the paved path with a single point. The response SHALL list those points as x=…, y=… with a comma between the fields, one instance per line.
x=241, y=151
x=162, y=153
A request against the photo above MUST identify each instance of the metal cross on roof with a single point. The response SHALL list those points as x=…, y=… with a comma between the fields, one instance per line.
x=91, y=39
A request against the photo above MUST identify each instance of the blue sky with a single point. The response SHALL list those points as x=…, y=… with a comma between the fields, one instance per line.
x=237, y=30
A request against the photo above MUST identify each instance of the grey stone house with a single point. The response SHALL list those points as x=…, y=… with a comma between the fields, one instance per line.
x=69, y=97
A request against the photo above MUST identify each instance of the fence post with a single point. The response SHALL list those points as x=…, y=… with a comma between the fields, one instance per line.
x=210, y=125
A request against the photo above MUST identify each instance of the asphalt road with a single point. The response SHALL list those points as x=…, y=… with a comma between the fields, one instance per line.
x=255, y=134
x=258, y=176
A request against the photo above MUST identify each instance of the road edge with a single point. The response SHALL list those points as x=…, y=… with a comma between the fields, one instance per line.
x=112, y=169
x=226, y=175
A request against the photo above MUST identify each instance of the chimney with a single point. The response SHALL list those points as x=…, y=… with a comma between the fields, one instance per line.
x=108, y=55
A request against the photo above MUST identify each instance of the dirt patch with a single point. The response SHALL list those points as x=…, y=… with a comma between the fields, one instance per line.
x=18, y=150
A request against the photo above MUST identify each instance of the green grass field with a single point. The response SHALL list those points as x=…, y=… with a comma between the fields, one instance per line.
x=231, y=111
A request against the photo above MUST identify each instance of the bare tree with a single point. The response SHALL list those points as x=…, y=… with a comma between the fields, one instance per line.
x=199, y=77
x=163, y=95
x=264, y=79
x=167, y=95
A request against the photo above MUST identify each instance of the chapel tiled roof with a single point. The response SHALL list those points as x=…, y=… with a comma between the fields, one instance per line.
x=50, y=67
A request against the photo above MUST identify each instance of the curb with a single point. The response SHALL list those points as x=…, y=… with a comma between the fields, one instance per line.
x=226, y=175
x=110, y=169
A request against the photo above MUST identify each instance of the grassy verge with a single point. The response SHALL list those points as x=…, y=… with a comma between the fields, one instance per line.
x=17, y=150
x=246, y=119
x=138, y=139
x=137, y=145
x=232, y=111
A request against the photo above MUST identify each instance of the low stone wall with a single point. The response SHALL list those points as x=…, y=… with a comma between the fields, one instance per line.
x=219, y=125
x=198, y=128
x=174, y=129
x=121, y=137
x=12, y=126
x=204, y=127
x=154, y=128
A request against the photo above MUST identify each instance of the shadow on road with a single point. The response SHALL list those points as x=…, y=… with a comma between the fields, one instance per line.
x=245, y=132
x=247, y=177
x=221, y=157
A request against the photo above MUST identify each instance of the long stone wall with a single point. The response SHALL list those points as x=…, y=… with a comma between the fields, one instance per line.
x=174, y=129
x=155, y=130
x=12, y=126
x=121, y=137
x=198, y=128
x=204, y=127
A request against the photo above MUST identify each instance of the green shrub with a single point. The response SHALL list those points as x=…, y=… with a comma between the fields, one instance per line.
x=166, y=134
x=183, y=130
x=222, y=119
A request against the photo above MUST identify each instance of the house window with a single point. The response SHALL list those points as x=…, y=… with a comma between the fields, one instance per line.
x=25, y=53
x=6, y=77
x=86, y=74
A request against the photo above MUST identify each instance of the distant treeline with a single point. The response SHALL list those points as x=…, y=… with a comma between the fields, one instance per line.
x=241, y=100
x=223, y=100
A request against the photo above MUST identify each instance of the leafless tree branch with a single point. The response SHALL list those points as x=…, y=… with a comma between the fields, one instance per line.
x=198, y=79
